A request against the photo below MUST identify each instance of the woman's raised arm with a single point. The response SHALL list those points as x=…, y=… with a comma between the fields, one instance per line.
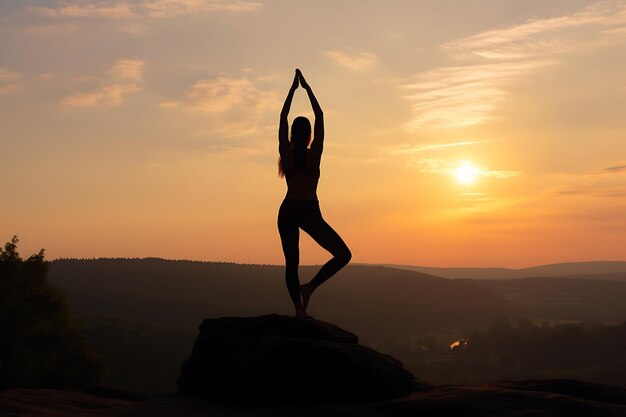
x=318, y=128
x=283, y=127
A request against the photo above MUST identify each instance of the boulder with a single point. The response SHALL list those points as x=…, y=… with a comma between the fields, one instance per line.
x=277, y=358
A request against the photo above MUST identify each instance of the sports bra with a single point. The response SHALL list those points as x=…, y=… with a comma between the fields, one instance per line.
x=302, y=180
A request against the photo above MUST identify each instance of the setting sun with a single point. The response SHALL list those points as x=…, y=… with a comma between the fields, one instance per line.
x=466, y=173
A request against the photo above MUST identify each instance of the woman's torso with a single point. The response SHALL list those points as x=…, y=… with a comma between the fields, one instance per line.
x=302, y=178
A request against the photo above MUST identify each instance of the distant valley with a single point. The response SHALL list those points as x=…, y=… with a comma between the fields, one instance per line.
x=142, y=316
x=602, y=270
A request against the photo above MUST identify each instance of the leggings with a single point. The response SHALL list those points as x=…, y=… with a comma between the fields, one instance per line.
x=305, y=214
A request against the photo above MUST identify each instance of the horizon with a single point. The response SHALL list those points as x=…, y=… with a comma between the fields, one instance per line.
x=483, y=135
x=386, y=265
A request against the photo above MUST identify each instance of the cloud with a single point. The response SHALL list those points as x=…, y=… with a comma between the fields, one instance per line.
x=499, y=173
x=48, y=30
x=620, y=192
x=431, y=165
x=621, y=31
x=459, y=96
x=354, y=62
x=439, y=166
x=598, y=173
x=9, y=81
x=443, y=167
x=127, y=69
x=544, y=36
x=407, y=149
x=589, y=191
x=468, y=92
x=7, y=75
x=109, y=95
x=224, y=94
x=170, y=8
x=614, y=169
x=104, y=9
x=595, y=175
x=604, y=182
x=469, y=200
x=144, y=9
x=232, y=105
x=124, y=78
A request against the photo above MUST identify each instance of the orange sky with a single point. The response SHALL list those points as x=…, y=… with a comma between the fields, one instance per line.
x=149, y=128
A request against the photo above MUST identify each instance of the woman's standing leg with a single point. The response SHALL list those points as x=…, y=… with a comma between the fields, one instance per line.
x=289, y=236
x=325, y=236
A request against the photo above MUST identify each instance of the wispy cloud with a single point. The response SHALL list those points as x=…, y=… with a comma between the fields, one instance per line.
x=407, y=149
x=586, y=191
x=144, y=9
x=494, y=173
x=619, y=193
x=57, y=29
x=355, y=62
x=128, y=69
x=459, y=96
x=473, y=200
x=169, y=8
x=232, y=105
x=124, y=78
x=9, y=81
x=445, y=167
x=223, y=94
x=105, y=9
x=545, y=36
x=468, y=92
x=603, y=182
x=433, y=165
x=620, y=31
x=615, y=169
x=596, y=175
x=109, y=95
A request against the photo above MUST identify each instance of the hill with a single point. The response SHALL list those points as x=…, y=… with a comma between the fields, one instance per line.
x=603, y=270
x=565, y=298
x=377, y=302
x=133, y=306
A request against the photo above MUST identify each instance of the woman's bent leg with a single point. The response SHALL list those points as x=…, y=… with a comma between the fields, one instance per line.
x=330, y=240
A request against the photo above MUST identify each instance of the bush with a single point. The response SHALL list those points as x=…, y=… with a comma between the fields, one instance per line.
x=41, y=344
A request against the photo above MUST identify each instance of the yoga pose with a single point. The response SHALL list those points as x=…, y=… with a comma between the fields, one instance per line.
x=300, y=209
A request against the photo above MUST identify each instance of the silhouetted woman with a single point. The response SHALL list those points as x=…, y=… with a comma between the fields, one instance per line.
x=300, y=209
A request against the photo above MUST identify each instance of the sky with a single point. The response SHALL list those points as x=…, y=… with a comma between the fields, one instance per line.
x=458, y=133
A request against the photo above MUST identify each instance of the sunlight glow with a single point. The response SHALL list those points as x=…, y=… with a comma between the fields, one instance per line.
x=466, y=173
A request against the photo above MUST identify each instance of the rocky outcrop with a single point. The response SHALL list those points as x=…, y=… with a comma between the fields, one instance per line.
x=278, y=358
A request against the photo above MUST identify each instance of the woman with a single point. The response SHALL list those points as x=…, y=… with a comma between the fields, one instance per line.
x=300, y=209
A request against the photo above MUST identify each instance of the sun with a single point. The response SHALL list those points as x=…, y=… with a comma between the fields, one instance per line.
x=466, y=173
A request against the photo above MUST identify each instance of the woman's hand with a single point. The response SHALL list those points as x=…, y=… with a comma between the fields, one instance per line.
x=303, y=82
x=294, y=85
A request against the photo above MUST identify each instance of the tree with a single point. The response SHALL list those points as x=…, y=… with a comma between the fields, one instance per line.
x=42, y=345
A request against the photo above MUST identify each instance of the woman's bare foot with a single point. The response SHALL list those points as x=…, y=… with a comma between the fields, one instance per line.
x=301, y=312
x=305, y=292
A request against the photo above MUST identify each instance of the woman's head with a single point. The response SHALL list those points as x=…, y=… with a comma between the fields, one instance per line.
x=300, y=133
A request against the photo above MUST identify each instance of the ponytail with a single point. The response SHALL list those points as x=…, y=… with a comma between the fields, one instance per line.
x=281, y=173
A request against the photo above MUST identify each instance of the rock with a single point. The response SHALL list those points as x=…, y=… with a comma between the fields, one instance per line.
x=278, y=358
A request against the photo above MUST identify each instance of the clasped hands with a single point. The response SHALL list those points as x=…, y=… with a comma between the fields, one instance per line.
x=299, y=79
